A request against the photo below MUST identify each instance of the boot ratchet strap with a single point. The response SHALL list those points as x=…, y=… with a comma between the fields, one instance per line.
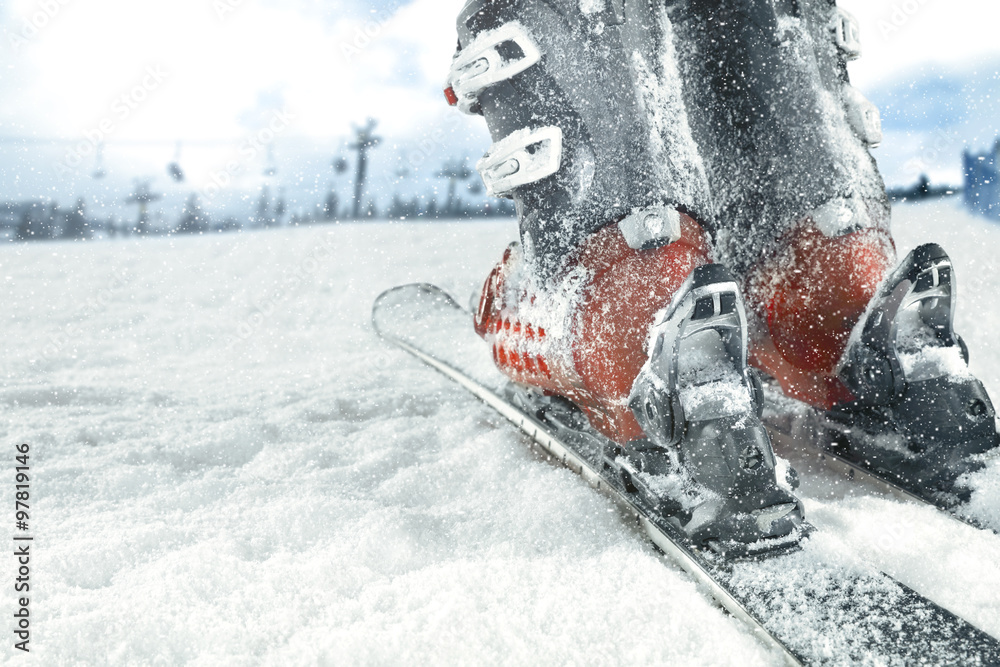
x=864, y=117
x=494, y=56
x=525, y=156
x=847, y=34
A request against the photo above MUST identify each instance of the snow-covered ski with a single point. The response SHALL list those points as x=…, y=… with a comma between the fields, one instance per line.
x=796, y=425
x=816, y=604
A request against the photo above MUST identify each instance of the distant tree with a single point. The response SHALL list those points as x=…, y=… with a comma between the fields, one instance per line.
x=455, y=171
x=229, y=224
x=331, y=206
x=77, y=226
x=923, y=187
x=364, y=141
x=402, y=208
x=432, y=210
x=396, y=208
x=263, y=205
x=37, y=225
x=279, y=209
x=52, y=220
x=142, y=196
x=193, y=220
x=27, y=228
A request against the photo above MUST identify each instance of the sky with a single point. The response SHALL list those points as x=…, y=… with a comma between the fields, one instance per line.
x=229, y=78
x=898, y=35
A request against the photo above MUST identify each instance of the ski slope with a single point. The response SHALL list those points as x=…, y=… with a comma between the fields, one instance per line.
x=229, y=467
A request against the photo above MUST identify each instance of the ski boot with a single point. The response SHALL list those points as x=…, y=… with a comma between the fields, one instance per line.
x=591, y=142
x=879, y=358
x=807, y=295
x=804, y=221
x=784, y=135
x=919, y=417
x=803, y=216
x=581, y=333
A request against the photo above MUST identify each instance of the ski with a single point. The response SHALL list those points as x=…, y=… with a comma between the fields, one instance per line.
x=794, y=425
x=813, y=601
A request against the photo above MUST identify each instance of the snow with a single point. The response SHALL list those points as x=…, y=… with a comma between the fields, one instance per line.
x=592, y=6
x=710, y=386
x=229, y=467
x=552, y=305
x=934, y=363
x=716, y=399
x=659, y=84
x=921, y=355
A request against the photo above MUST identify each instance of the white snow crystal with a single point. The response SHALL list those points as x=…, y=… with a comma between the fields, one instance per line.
x=921, y=355
x=682, y=170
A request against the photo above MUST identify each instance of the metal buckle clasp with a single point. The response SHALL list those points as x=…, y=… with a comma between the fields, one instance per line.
x=523, y=157
x=847, y=34
x=483, y=63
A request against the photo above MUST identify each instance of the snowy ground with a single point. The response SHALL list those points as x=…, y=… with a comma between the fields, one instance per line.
x=230, y=468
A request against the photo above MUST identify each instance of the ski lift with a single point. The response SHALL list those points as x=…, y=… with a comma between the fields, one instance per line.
x=476, y=187
x=272, y=166
x=99, y=171
x=174, y=168
x=340, y=165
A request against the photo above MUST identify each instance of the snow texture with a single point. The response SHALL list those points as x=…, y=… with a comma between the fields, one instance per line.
x=671, y=143
x=553, y=305
x=536, y=304
x=713, y=400
x=589, y=7
x=921, y=354
x=678, y=488
x=786, y=151
x=229, y=467
x=709, y=385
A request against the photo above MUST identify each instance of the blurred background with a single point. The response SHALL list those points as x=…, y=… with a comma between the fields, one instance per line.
x=119, y=117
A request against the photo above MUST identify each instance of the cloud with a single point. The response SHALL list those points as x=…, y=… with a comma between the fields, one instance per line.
x=898, y=35
x=329, y=63
x=331, y=66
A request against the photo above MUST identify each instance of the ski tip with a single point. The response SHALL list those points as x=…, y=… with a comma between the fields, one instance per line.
x=395, y=301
